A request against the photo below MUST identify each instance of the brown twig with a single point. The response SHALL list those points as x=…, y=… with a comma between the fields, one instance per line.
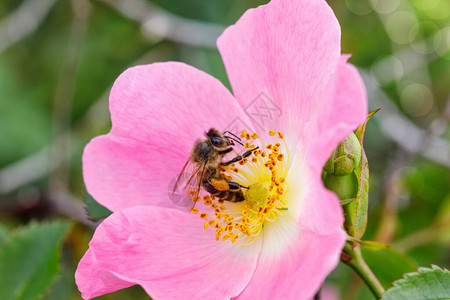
x=161, y=24
x=23, y=21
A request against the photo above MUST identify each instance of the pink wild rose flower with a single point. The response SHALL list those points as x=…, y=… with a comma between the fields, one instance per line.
x=296, y=98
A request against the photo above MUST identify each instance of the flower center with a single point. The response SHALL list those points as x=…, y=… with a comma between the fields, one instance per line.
x=262, y=176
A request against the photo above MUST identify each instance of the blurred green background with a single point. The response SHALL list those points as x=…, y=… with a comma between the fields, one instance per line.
x=58, y=60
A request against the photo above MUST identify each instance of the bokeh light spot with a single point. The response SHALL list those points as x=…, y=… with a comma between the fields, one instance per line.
x=442, y=42
x=416, y=99
x=387, y=69
x=385, y=6
x=358, y=7
x=399, y=27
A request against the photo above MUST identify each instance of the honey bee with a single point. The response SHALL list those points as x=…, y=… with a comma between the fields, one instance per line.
x=206, y=160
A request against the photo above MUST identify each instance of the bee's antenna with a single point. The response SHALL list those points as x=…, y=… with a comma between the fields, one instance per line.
x=233, y=139
x=193, y=205
x=232, y=134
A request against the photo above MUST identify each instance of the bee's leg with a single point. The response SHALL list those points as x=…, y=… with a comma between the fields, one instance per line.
x=238, y=158
x=228, y=150
x=234, y=187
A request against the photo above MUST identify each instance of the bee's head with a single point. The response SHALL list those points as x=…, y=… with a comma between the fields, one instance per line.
x=217, y=139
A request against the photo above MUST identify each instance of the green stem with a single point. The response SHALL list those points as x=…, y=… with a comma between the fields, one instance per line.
x=357, y=263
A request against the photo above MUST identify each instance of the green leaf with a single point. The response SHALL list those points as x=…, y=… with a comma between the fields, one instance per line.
x=3, y=234
x=427, y=283
x=29, y=260
x=95, y=210
x=388, y=265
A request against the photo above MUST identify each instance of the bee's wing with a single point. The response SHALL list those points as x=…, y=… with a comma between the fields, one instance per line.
x=186, y=180
x=203, y=167
x=198, y=174
x=187, y=174
x=190, y=178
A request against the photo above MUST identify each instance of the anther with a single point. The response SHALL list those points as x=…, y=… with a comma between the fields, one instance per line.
x=241, y=223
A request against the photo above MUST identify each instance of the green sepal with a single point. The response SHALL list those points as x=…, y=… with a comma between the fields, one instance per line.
x=95, y=210
x=356, y=210
x=372, y=245
x=347, y=201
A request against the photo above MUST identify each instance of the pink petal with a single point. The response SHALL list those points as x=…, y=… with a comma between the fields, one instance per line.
x=122, y=173
x=329, y=292
x=341, y=110
x=304, y=245
x=171, y=104
x=299, y=272
x=322, y=212
x=157, y=112
x=96, y=283
x=287, y=50
x=310, y=204
x=169, y=254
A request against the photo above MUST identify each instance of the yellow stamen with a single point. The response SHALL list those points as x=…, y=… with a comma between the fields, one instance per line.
x=264, y=176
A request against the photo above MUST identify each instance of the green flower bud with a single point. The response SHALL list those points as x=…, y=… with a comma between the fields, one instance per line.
x=345, y=187
x=347, y=174
x=345, y=158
